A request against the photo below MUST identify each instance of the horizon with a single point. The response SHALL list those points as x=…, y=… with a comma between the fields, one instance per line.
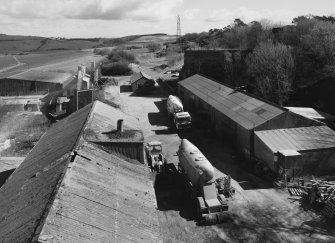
x=119, y=18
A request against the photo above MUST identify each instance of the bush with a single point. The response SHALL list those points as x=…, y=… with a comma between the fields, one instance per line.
x=121, y=56
x=102, y=52
x=153, y=47
x=115, y=69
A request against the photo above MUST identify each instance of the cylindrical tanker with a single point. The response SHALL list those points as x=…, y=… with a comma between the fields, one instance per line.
x=173, y=105
x=195, y=165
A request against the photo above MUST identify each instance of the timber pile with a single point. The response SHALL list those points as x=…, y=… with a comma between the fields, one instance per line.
x=321, y=192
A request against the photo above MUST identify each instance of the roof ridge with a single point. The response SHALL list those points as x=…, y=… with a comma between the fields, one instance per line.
x=245, y=93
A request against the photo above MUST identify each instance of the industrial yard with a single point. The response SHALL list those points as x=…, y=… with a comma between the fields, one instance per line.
x=206, y=137
x=258, y=211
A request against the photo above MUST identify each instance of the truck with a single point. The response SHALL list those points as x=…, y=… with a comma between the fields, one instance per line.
x=175, y=109
x=209, y=194
x=155, y=158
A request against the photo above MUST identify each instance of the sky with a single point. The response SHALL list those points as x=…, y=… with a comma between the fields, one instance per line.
x=116, y=18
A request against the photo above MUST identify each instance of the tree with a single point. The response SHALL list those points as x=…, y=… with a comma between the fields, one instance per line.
x=271, y=65
x=320, y=42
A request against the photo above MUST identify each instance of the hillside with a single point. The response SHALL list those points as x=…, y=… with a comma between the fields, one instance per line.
x=15, y=44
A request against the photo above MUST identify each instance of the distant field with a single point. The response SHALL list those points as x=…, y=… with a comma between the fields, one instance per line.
x=20, y=44
x=7, y=61
x=156, y=39
x=66, y=61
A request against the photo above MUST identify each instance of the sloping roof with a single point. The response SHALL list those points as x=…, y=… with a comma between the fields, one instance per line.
x=103, y=199
x=102, y=125
x=43, y=76
x=138, y=76
x=92, y=198
x=299, y=139
x=311, y=113
x=25, y=195
x=244, y=109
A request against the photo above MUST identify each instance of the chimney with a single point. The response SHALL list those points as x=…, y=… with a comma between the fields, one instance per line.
x=120, y=125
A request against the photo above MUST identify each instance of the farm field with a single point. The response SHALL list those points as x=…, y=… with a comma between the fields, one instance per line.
x=7, y=61
x=63, y=61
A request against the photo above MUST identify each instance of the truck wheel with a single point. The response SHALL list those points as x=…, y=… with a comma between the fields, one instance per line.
x=201, y=207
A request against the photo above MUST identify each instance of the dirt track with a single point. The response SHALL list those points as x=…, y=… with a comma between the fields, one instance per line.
x=257, y=213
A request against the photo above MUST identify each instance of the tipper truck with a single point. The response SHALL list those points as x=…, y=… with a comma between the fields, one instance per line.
x=174, y=107
x=208, y=193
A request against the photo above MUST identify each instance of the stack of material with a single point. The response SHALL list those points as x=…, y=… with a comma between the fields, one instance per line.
x=322, y=192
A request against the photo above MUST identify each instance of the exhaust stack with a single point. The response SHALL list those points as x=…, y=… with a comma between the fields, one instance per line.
x=120, y=125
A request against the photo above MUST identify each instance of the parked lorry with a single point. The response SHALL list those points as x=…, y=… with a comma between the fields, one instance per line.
x=155, y=158
x=209, y=194
x=175, y=109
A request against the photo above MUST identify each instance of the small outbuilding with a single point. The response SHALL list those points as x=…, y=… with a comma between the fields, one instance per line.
x=141, y=82
x=34, y=82
x=297, y=151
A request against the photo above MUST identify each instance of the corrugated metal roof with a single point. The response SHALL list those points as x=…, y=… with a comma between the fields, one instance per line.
x=25, y=195
x=103, y=199
x=245, y=110
x=43, y=76
x=299, y=139
x=102, y=125
x=311, y=113
x=137, y=76
x=100, y=198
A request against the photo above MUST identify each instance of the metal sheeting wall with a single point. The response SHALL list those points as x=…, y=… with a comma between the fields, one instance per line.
x=13, y=87
x=264, y=153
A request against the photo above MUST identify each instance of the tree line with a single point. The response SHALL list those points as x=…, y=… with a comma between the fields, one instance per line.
x=281, y=58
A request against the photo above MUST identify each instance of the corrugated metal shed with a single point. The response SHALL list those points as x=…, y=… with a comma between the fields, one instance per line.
x=245, y=110
x=26, y=194
x=43, y=76
x=299, y=139
x=103, y=199
x=98, y=197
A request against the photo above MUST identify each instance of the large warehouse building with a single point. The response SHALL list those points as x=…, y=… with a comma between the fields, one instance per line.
x=72, y=189
x=34, y=82
x=236, y=114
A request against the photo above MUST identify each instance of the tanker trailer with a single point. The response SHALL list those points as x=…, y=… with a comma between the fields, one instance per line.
x=175, y=109
x=199, y=173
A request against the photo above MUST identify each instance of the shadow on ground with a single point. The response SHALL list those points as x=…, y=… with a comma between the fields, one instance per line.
x=160, y=118
x=158, y=93
x=125, y=88
x=172, y=193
